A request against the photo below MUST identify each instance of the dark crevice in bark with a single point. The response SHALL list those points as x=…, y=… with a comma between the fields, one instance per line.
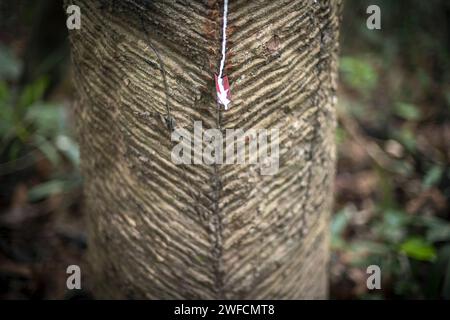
x=216, y=214
x=218, y=229
x=168, y=118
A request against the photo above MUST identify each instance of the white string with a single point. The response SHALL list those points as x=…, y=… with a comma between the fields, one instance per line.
x=224, y=37
x=222, y=94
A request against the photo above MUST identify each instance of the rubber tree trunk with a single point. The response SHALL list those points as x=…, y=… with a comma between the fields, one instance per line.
x=160, y=230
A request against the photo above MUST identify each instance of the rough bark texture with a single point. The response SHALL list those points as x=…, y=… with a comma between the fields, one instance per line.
x=157, y=230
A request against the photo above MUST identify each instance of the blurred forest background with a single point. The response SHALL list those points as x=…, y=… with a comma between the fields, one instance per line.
x=392, y=204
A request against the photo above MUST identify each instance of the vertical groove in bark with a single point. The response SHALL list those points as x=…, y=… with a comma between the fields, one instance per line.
x=216, y=214
x=158, y=230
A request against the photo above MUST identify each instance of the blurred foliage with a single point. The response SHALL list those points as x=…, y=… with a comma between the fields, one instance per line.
x=393, y=180
x=358, y=74
x=40, y=228
x=31, y=127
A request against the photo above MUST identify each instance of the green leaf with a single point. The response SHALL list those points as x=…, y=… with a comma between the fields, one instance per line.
x=407, y=111
x=437, y=229
x=439, y=233
x=47, y=119
x=433, y=176
x=358, y=73
x=392, y=227
x=46, y=189
x=48, y=149
x=52, y=187
x=10, y=66
x=33, y=92
x=69, y=148
x=340, y=220
x=419, y=249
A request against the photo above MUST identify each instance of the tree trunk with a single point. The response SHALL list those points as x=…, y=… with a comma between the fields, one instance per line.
x=160, y=230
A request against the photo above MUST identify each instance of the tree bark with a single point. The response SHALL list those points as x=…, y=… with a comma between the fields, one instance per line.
x=160, y=230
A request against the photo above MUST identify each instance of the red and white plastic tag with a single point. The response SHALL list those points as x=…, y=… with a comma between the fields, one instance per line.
x=223, y=90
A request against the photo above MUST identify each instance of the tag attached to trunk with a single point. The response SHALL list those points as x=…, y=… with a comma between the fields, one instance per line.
x=223, y=90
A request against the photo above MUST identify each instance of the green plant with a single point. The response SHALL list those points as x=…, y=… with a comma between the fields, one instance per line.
x=32, y=127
